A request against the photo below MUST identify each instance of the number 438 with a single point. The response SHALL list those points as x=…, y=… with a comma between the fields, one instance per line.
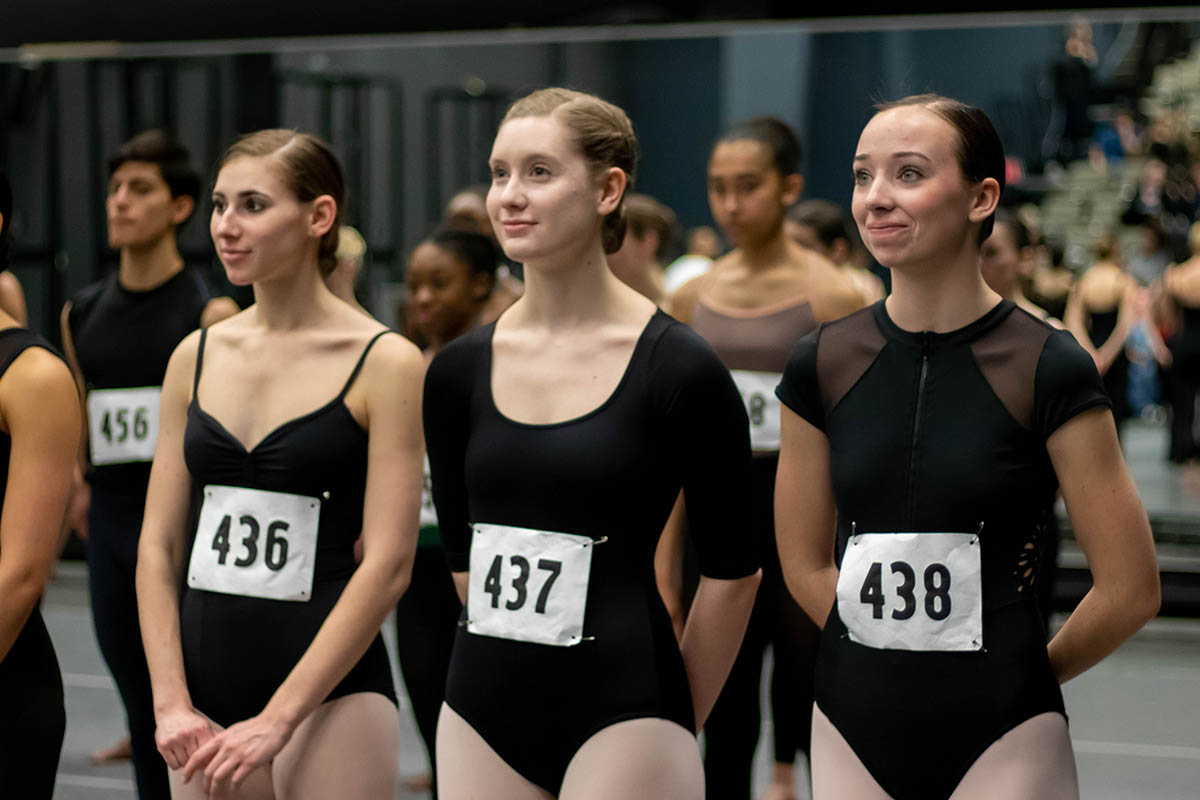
x=937, y=590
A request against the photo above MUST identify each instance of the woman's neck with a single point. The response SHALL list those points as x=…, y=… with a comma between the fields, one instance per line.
x=765, y=253
x=146, y=266
x=562, y=295
x=940, y=297
x=295, y=301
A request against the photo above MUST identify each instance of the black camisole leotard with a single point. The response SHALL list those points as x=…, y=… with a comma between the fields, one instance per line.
x=612, y=475
x=941, y=433
x=237, y=650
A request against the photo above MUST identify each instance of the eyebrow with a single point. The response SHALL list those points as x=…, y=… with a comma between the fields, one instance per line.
x=901, y=154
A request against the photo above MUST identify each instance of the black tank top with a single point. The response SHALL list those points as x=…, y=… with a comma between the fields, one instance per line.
x=124, y=339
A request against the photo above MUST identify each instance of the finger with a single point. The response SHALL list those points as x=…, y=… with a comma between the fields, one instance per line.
x=200, y=758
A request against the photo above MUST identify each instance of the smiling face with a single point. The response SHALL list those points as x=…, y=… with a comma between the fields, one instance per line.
x=445, y=297
x=544, y=200
x=261, y=231
x=746, y=193
x=911, y=201
x=139, y=205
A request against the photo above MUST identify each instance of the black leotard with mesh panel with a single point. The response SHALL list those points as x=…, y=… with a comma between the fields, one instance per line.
x=941, y=432
x=674, y=420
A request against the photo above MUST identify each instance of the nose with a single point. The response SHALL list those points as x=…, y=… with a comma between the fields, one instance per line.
x=512, y=193
x=423, y=296
x=877, y=193
x=224, y=224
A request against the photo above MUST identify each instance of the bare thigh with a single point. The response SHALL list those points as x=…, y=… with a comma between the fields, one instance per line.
x=346, y=749
x=837, y=772
x=646, y=757
x=1033, y=761
x=469, y=769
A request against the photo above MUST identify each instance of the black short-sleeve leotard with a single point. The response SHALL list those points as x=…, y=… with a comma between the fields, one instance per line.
x=237, y=650
x=941, y=432
x=675, y=420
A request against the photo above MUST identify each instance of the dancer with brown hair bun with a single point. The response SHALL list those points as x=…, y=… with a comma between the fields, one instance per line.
x=559, y=438
x=924, y=440
x=286, y=431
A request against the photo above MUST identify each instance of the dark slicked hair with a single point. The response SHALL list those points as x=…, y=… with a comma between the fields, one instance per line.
x=478, y=252
x=157, y=147
x=773, y=133
x=980, y=152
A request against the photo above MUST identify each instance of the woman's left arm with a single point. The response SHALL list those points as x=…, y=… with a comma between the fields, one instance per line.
x=40, y=409
x=1114, y=533
x=392, y=379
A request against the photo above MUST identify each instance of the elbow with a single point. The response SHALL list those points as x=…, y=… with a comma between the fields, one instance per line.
x=1149, y=599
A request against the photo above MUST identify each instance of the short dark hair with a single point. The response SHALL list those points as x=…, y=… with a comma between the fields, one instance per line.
x=778, y=137
x=980, y=151
x=477, y=251
x=158, y=147
x=647, y=214
x=6, y=206
x=826, y=219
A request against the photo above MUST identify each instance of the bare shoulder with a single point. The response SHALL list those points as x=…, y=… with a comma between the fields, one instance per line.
x=217, y=309
x=834, y=292
x=393, y=356
x=683, y=300
x=38, y=386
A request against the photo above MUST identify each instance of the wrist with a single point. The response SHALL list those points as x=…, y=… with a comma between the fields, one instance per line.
x=284, y=714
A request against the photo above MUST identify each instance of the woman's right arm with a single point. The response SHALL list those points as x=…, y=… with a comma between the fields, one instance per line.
x=805, y=519
x=161, y=556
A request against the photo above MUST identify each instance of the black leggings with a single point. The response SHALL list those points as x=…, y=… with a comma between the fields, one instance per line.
x=114, y=524
x=34, y=719
x=731, y=732
x=426, y=620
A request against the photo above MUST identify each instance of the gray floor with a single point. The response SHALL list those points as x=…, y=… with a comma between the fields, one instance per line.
x=1135, y=718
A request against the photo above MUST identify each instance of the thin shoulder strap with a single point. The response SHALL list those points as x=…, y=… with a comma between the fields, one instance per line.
x=358, y=366
x=199, y=363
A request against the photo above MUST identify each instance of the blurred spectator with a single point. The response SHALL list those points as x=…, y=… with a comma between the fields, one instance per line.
x=1148, y=265
x=649, y=232
x=1070, y=130
x=1051, y=282
x=822, y=226
x=351, y=250
x=703, y=245
x=467, y=210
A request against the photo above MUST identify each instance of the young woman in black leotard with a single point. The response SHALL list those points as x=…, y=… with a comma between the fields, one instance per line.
x=286, y=431
x=930, y=432
x=39, y=439
x=1179, y=292
x=559, y=438
x=449, y=277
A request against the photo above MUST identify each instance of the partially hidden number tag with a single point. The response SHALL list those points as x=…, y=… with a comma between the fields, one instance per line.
x=912, y=591
x=255, y=543
x=528, y=585
x=762, y=407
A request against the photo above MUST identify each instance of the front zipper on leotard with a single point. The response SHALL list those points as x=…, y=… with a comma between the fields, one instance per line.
x=916, y=429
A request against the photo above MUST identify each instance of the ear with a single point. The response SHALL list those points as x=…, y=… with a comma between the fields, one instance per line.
x=324, y=213
x=612, y=188
x=985, y=198
x=793, y=185
x=182, y=208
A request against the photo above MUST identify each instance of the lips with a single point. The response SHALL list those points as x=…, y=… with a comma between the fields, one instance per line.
x=516, y=225
x=885, y=230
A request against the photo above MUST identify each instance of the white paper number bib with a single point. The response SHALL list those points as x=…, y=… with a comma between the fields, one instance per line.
x=255, y=543
x=528, y=585
x=762, y=406
x=123, y=424
x=912, y=591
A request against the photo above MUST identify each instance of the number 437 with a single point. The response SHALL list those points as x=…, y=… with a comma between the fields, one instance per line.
x=491, y=584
